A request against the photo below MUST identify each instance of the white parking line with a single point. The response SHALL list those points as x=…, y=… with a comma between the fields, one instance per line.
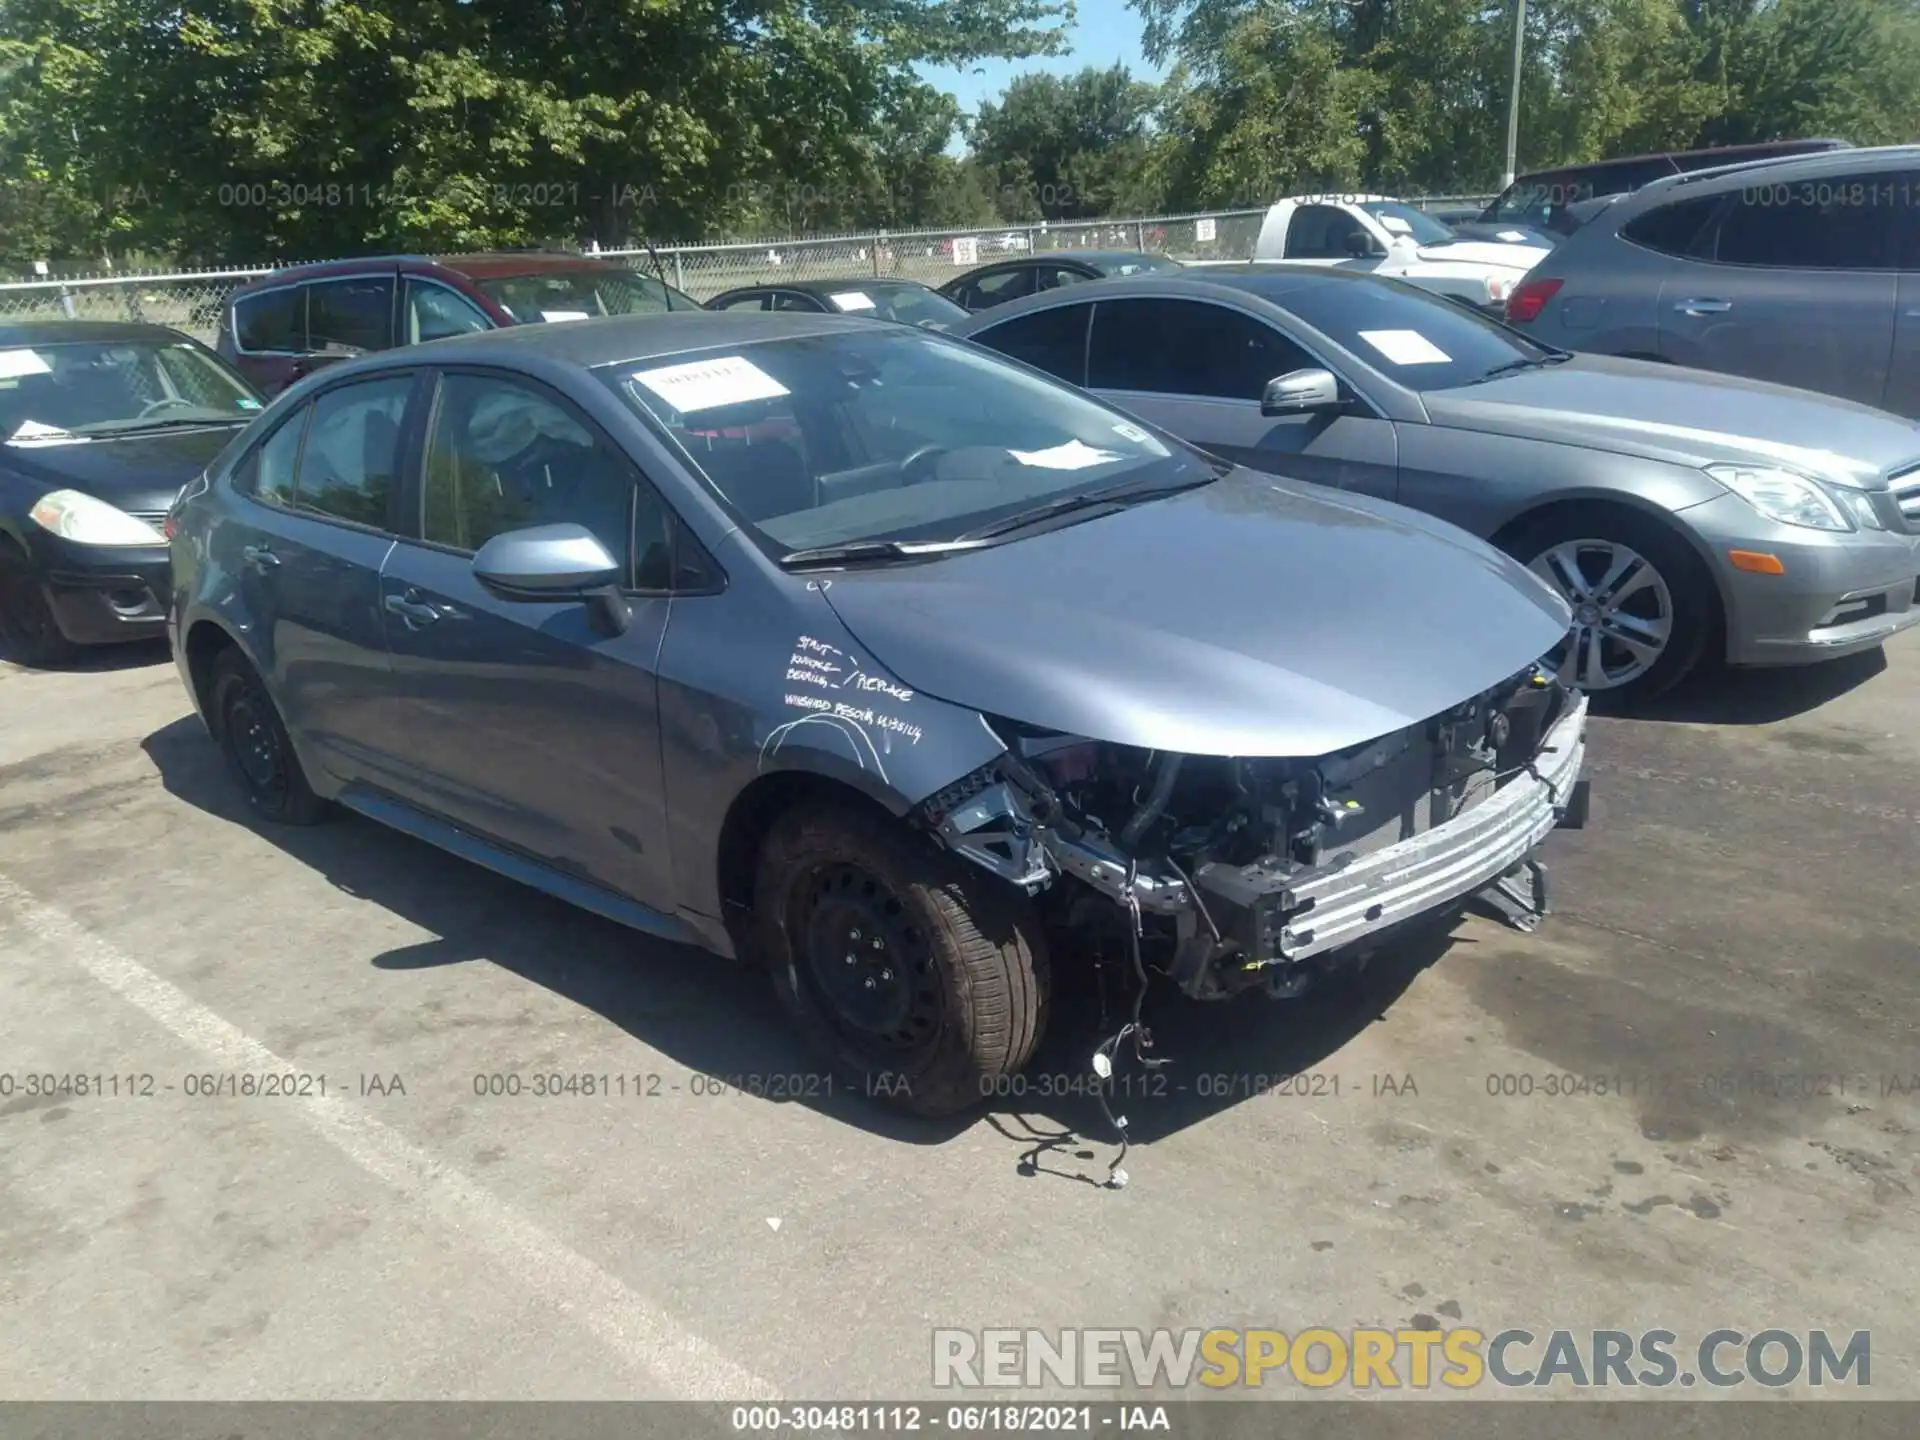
x=653, y=1345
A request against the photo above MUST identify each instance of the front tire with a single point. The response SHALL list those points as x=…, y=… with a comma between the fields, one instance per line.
x=26, y=619
x=921, y=984
x=1644, y=604
x=254, y=740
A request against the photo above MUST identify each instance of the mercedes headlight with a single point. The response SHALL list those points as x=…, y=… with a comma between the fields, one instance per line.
x=87, y=521
x=1783, y=496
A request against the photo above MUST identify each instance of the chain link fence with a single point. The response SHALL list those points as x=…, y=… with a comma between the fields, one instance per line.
x=192, y=301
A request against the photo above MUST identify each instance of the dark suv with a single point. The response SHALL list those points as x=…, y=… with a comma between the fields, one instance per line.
x=287, y=324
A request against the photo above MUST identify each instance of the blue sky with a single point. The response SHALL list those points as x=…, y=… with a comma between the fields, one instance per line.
x=1105, y=32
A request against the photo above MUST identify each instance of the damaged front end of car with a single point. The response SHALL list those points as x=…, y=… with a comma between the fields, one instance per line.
x=1231, y=874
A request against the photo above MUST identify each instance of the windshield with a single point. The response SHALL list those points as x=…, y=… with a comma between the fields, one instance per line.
x=88, y=388
x=888, y=434
x=1424, y=229
x=1422, y=341
x=583, y=294
x=908, y=304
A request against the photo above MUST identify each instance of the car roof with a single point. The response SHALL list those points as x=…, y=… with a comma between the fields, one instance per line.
x=1783, y=168
x=478, y=265
x=614, y=339
x=829, y=287
x=1269, y=282
x=103, y=332
x=1736, y=154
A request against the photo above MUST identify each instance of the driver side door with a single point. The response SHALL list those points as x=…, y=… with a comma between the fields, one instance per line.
x=1198, y=368
x=525, y=722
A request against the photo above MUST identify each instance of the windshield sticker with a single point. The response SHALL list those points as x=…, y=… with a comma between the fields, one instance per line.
x=554, y=316
x=249, y=404
x=15, y=363
x=709, y=384
x=853, y=300
x=1133, y=433
x=1406, y=347
x=1071, y=456
x=1394, y=223
x=1511, y=236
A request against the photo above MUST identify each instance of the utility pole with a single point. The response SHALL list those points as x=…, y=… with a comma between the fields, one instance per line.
x=1513, y=96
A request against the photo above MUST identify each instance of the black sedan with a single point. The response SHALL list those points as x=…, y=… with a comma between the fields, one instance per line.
x=1006, y=280
x=103, y=424
x=906, y=301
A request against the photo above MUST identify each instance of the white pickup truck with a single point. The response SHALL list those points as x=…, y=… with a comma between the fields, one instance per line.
x=1390, y=237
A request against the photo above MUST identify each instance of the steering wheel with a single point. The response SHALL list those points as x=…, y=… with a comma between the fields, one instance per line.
x=919, y=457
x=165, y=402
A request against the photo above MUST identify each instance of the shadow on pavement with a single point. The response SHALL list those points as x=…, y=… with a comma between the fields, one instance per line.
x=99, y=659
x=1716, y=695
x=720, y=1019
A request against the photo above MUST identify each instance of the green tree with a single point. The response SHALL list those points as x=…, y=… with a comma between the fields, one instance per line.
x=1067, y=147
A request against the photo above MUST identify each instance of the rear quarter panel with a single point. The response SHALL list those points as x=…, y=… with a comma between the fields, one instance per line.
x=1609, y=298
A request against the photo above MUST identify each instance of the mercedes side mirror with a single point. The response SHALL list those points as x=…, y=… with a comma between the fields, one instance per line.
x=549, y=563
x=1302, y=392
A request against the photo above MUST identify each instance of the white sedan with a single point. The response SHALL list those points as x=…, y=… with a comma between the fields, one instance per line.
x=1390, y=237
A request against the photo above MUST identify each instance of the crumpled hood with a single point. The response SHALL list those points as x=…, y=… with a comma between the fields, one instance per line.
x=1253, y=616
x=136, y=472
x=1686, y=417
x=1494, y=254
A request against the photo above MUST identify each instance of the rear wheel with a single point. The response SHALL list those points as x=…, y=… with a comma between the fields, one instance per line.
x=1643, y=604
x=254, y=740
x=919, y=983
x=26, y=619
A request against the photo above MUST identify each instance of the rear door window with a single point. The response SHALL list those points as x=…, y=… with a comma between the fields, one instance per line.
x=355, y=314
x=1841, y=222
x=349, y=463
x=275, y=320
x=1051, y=340
x=1001, y=286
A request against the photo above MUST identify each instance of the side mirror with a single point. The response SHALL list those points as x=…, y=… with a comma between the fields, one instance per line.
x=553, y=563
x=1302, y=392
x=1362, y=246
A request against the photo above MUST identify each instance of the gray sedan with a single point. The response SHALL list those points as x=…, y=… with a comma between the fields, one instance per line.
x=1682, y=514
x=868, y=654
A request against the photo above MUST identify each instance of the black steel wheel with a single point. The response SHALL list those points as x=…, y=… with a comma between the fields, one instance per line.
x=920, y=983
x=254, y=739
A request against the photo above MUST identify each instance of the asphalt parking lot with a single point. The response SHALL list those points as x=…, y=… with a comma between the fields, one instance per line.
x=1737, y=924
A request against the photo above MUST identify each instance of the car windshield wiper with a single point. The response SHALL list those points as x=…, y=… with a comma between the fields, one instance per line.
x=855, y=551
x=130, y=427
x=1114, y=496
x=1514, y=367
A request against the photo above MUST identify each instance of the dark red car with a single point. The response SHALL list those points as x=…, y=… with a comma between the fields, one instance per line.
x=284, y=325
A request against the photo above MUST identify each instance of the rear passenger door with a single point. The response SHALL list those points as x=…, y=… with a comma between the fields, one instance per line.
x=1793, y=282
x=522, y=721
x=307, y=554
x=1199, y=369
x=1902, y=395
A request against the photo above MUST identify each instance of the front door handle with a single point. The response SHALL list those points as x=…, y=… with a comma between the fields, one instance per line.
x=410, y=608
x=1704, y=307
x=260, y=557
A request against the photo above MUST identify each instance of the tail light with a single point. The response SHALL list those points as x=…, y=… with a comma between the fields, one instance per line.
x=1529, y=298
x=196, y=486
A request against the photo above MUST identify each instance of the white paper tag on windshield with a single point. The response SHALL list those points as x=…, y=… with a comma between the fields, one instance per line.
x=15, y=363
x=1395, y=224
x=853, y=300
x=550, y=316
x=1405, y=347
x=1513, y=235
x=34, y=433
x=1133, y=433
x=708, y=384
x=1071, y=456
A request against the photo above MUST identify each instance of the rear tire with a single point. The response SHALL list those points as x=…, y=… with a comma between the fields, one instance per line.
x=1638, y=591
x=920, y=984
x=254, y=740
x=26, y=619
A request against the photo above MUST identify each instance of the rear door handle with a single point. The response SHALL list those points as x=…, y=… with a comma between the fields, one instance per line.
x=412, y=609
x=260, y=557
x=1704, y=307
